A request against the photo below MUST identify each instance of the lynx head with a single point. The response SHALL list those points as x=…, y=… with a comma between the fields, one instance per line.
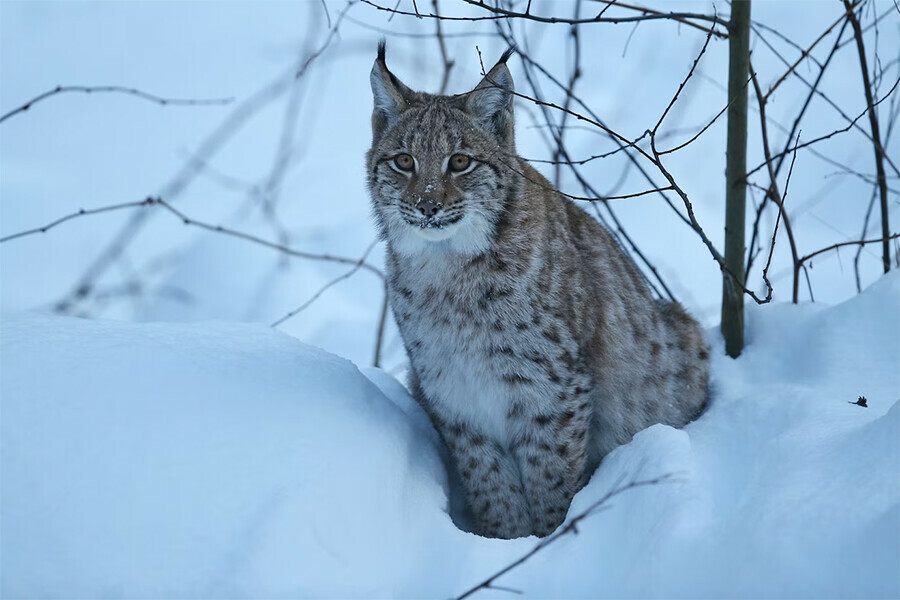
x=439, y=166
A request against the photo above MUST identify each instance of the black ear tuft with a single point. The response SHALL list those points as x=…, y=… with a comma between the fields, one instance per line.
x=505, y=56
x=390, y=95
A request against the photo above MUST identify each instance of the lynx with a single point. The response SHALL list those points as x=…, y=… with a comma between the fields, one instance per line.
x=535, y=345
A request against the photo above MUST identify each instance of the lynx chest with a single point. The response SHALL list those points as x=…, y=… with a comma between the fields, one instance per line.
x=475, y=344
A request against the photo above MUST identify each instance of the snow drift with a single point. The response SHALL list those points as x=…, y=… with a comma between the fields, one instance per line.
x=221, y=460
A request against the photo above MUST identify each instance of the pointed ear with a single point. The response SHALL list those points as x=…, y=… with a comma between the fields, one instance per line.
x=390, y=95
x=491, y=102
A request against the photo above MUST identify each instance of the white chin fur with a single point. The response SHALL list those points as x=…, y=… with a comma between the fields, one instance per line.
x=471, y=235
x=437, y=235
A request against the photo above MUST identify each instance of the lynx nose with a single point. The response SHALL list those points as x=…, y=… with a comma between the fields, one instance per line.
x=429, y=208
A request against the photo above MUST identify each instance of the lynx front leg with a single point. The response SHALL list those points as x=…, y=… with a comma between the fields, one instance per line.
x=550, y=449
x=493, y=489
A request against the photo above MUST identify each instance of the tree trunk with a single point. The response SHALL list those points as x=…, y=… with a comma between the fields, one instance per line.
x=736, y=177
x=876, y=137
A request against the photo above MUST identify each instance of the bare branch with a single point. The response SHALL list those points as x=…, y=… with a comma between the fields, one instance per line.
x=693, y=138
x=805, y=258
x=806, y=52
x=210, y=146
x=570, y=89
x=655, y=159
x=263, y=242
x=190, y=221
x=332, y=32
x=619, y=233
x=360, y=263
x=636, y=194
x=682, y=84
x=80, y=213
x=568, y=528
x=772, y=192
x=888, y=11
x=114, y=89
x=862, y=235
x=379, y=334
x=621, y=141
x=827, y=136
x=501, y=13
x=448, y=63
x=790, y=136
x=419, y=35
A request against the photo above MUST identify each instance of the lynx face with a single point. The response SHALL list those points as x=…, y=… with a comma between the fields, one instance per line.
x=437, y=168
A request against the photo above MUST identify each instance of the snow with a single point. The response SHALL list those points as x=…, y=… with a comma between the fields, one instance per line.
x=213, y=460
x=167, y=456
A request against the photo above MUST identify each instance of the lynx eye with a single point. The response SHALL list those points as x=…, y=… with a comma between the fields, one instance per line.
x=404, y=162
x=459, y=162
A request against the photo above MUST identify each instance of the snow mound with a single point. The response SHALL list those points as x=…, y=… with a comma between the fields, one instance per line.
x=215, y=460
x=221, y=460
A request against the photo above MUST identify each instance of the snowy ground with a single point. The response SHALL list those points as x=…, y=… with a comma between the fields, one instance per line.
x=222, y=460
x=166, y=456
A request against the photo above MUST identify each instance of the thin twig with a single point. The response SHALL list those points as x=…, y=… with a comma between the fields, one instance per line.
x=151, y=201
x=806, y=52
x=419, y=35
x=619, y=233
x=382, y=326
x=501, y=13
x=114, y=89
x=862, y=235
x=571, y=527
x=683, y=83
x=263, y=242
x=79, y=213
x=327, y=13
x=790, y=136
x=445, y=57
x=888, y=11
x=656, y=161
x=805, y=258
x=211, y=145
x=703, y=130
x=570, y=90
x=359, y=264
x=773, y=193
x=822, y=138
x=595, y=121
